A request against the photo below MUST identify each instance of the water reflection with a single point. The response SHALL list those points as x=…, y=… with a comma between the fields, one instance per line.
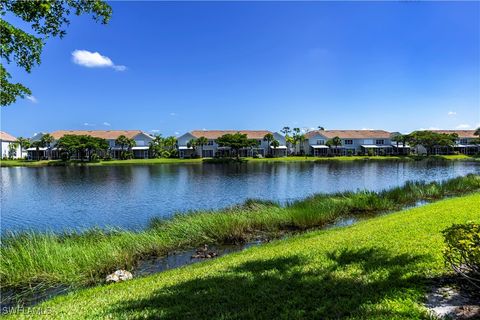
x=60, y=198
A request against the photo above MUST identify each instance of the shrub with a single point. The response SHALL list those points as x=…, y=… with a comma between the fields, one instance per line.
x=463, y=250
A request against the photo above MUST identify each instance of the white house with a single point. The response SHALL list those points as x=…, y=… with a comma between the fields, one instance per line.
x=9, y=148
x=353, y=142
x=212, y=149
x=140, y=150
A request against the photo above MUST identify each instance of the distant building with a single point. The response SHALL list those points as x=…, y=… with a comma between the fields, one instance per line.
x=353, y=142
x=8, y=147
x=212, y=148
x=464, y=144
x=140, y=150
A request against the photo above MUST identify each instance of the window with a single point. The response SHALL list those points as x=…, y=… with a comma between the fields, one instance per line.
x=320, y=142
x=348, y=141
x=463, y=141
x=379, y=141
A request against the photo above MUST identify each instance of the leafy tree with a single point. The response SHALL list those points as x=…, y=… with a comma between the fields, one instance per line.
x=12, y=150
x=47, y=18
x=269, y=138
x=81, y=145
x=236, y=142
x=24, y=143
x=321, y=128
x=430, y=139
x=334, y=142
x=124, y=142
x=201, y=142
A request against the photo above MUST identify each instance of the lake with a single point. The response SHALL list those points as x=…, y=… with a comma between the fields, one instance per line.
x=64, y=198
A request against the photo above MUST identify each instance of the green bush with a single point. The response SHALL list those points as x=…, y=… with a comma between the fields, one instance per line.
x=463, y=250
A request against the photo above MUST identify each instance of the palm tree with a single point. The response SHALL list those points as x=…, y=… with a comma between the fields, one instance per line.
x=123, y=142
x=335, y=141
x=275, y=144
x=296, y=134
x=23, y=143
x=202, y=141
x=47, y=140
x=321, y=128
x=192, y=143
x=268, y=137
x=37, y=145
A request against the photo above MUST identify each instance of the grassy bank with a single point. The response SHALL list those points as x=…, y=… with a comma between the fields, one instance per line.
x=49, y=259
x=380, y=268
x=45, y=163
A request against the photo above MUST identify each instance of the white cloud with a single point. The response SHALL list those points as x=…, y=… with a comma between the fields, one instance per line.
x=173, y=114
x=87, y=124
x=451, y=113
x=176, y=133
x=463, y=126
x=94, y=60
x=155, y=130
x=367, y=129
x=32, y=99
x=107, y=124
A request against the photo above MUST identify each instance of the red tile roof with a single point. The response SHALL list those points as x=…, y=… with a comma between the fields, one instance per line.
x=104, y=134
x=351, y=134
x=214, y=134
x=6, y=136
x=461, y=133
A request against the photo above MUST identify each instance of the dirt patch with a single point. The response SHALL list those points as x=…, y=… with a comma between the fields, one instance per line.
x=454, y=298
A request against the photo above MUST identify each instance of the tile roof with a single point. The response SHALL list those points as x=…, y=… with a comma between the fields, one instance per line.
x=461, y=133
x=214, y=134
x=6, y=136
x=353, y=134
x=104, y=134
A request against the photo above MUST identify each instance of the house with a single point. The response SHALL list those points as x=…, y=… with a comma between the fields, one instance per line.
x=9, y=147
x=466, y=143
x=353, y=142
x=140, y=150
x=212, y=149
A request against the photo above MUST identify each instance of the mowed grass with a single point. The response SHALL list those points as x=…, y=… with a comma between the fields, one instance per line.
x=379, y=268
x=42, y=260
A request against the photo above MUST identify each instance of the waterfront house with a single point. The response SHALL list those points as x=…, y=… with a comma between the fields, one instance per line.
x=467, y=143
x=353, y=142
x=212, y=149
x=140, y=150
x=9, y=147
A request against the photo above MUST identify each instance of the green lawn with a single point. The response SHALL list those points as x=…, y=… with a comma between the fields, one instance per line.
x=42, y=163
x=377, y=269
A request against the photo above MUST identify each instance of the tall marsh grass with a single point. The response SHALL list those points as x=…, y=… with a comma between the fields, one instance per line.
x=80, y=259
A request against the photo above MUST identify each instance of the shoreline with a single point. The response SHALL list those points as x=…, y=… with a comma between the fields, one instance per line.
x=376, y=261
x=31, y=259
x=160, y=161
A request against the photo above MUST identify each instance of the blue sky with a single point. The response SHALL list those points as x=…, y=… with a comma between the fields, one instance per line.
x=259, y=65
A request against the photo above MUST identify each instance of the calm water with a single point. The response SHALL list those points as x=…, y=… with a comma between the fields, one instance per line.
x=58, y=198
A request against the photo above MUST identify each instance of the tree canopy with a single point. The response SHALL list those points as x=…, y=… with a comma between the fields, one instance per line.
x=430, y=139
x=47, y=18
x=236, y=141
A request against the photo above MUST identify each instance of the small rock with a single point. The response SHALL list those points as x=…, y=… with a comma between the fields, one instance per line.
x=119, y=275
